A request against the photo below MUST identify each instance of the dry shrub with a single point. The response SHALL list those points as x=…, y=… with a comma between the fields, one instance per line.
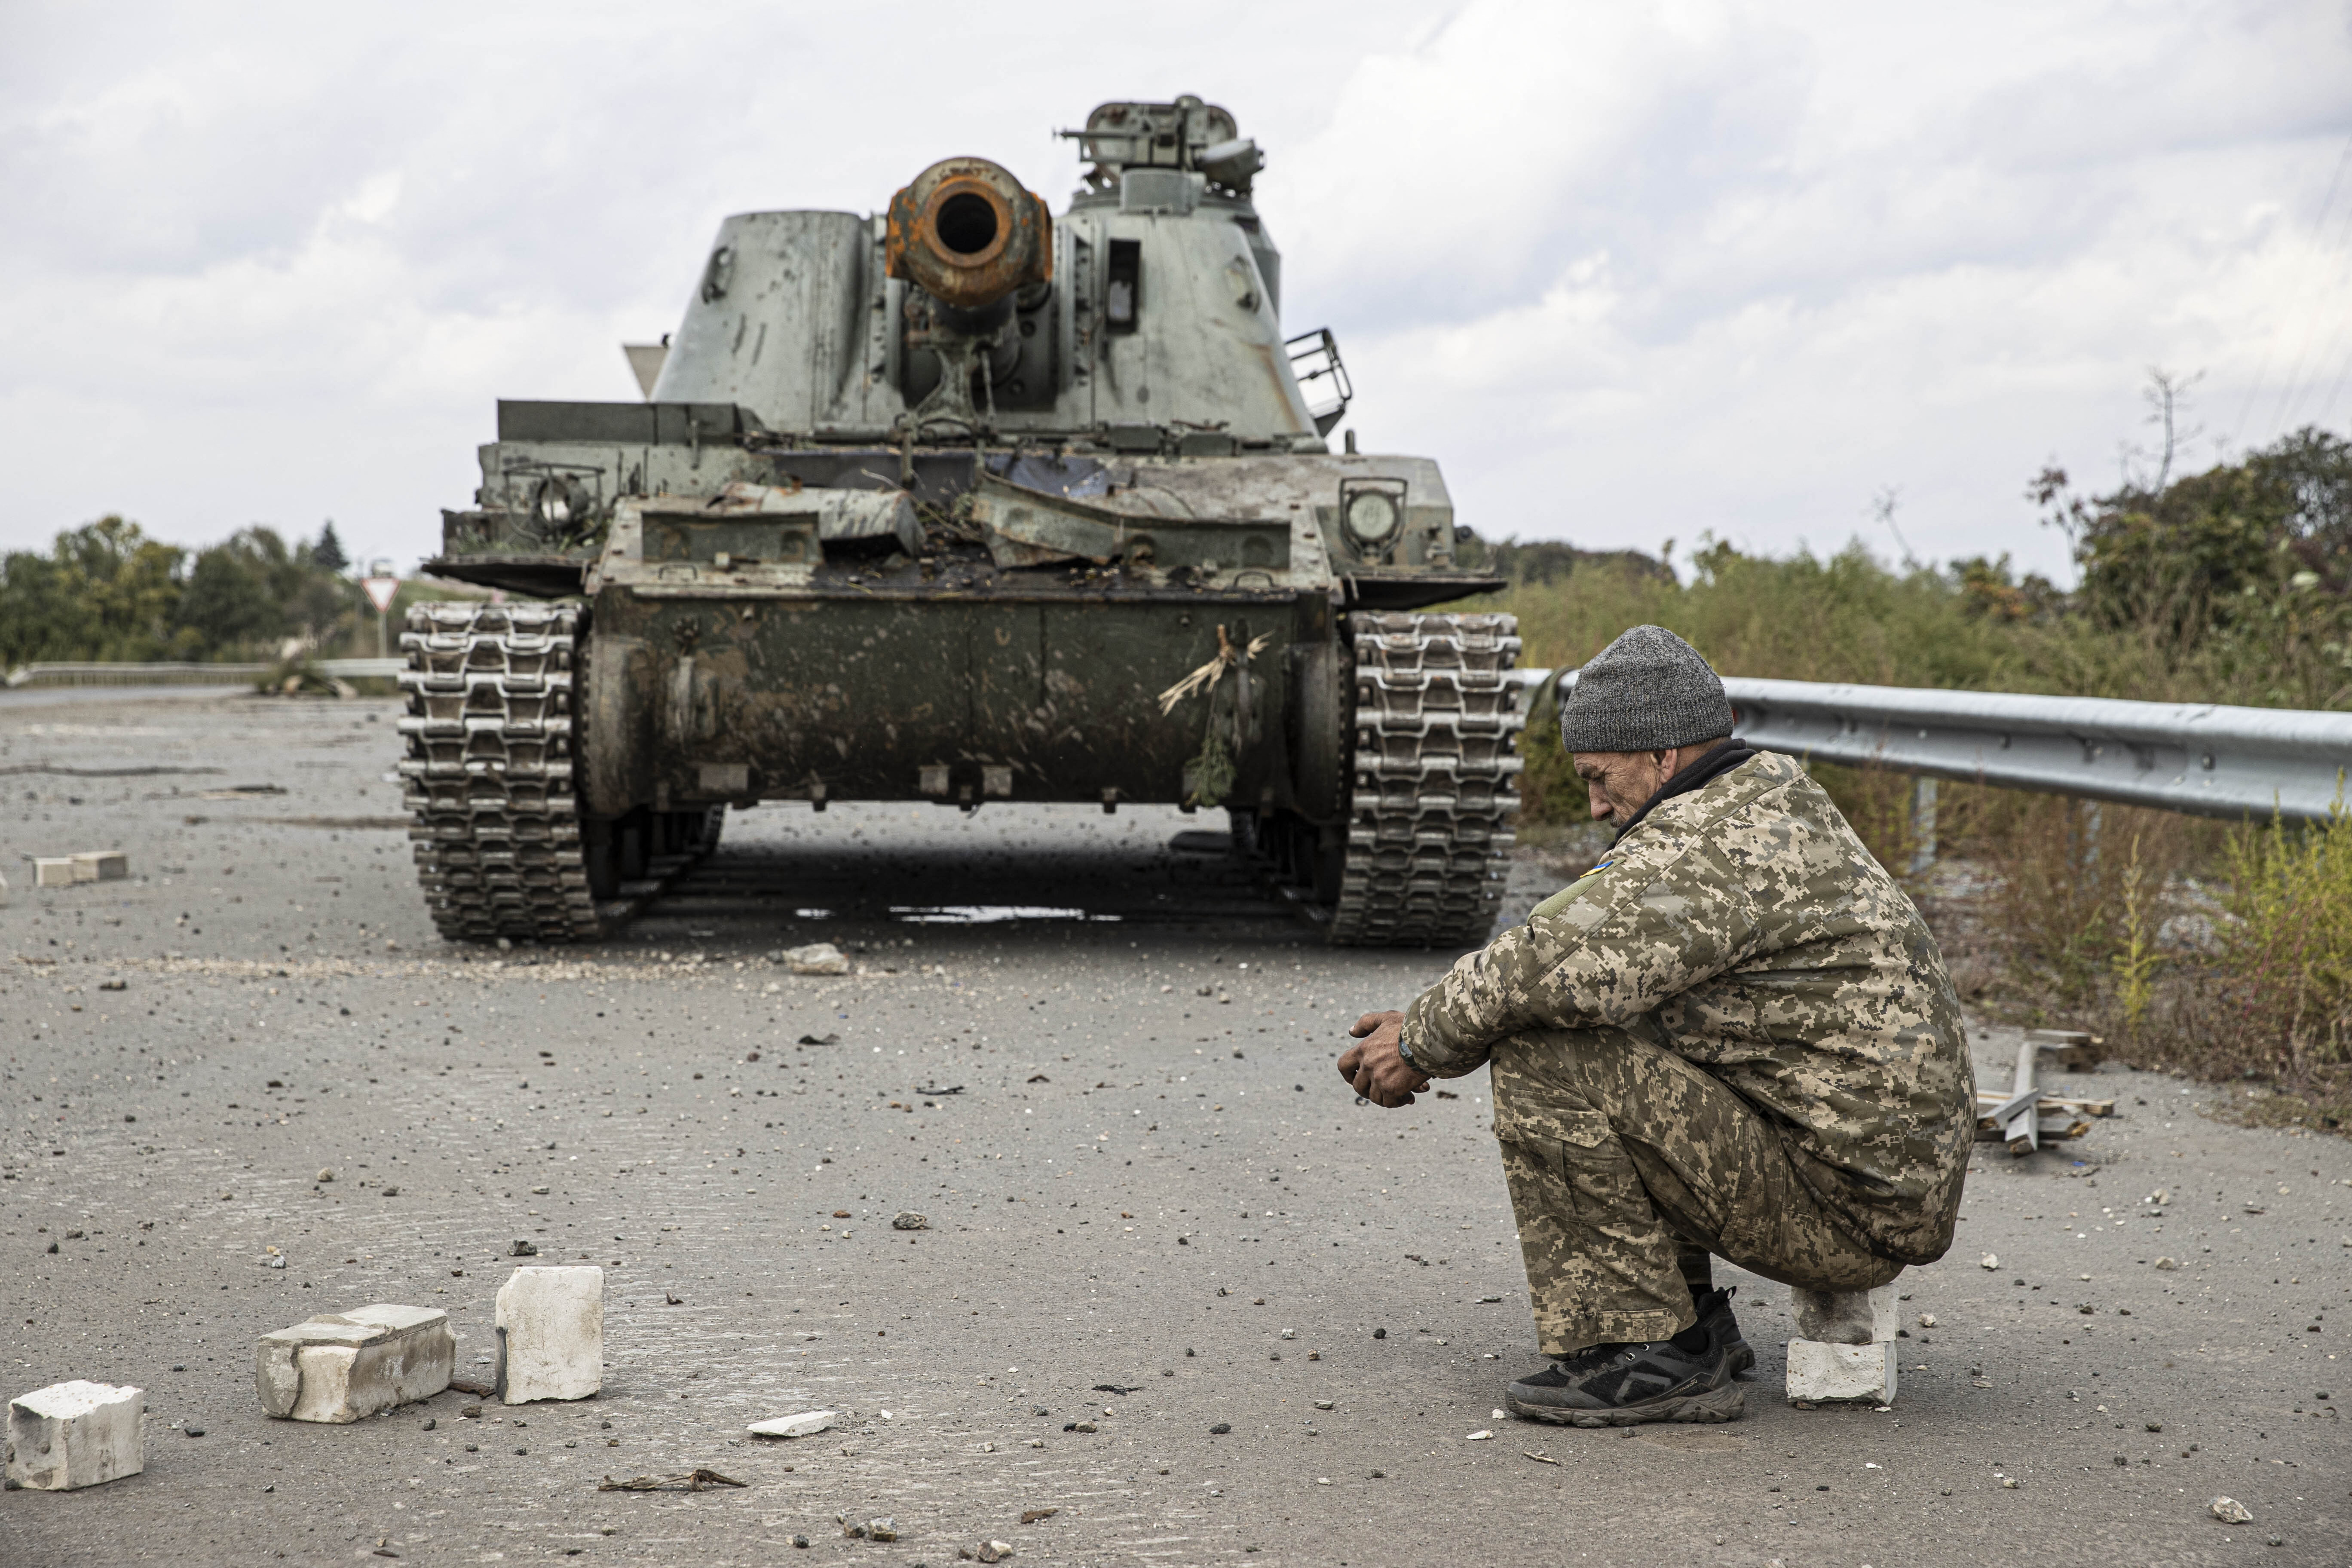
x=2286, y=950
x=2081, y=904
x=1550, y=794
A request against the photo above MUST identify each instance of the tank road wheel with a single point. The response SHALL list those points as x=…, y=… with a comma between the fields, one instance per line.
x=1434, y=779
x=488, y=771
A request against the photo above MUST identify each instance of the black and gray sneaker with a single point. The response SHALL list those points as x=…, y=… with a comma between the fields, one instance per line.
x=1687, y=1378
x=1715, y=1317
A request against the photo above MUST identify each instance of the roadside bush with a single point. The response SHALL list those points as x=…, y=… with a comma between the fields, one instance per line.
x=2286, y=948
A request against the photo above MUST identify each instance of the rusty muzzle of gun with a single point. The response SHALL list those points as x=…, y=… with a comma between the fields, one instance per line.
x=966, y=233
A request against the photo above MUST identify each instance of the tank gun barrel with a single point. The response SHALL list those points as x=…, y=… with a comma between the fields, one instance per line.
x=966, y=234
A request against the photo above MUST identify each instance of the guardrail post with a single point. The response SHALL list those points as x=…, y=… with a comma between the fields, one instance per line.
x=1923, y=824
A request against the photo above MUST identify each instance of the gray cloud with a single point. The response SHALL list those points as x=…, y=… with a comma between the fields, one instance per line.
x=1628, y=272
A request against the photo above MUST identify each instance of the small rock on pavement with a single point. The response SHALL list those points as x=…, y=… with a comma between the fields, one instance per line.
x=1989, y=1260
x=1032, y=1515
x=908, y=1219
x=807, y=1424
x=2167, y=1264
x=816, y=958
x=2230, y=1510
x=523, y=1249
x=74, y=1435
x=550, y=1327
x=338, y=1367
x=990, y=1552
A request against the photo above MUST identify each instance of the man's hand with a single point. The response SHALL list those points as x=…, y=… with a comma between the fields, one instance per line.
x=1377, y=1069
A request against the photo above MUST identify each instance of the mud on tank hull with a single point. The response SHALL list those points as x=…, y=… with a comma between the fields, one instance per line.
x=959, y=701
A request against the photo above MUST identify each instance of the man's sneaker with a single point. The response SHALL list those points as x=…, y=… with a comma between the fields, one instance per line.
x=1715, y=1317
x=1626, y=1384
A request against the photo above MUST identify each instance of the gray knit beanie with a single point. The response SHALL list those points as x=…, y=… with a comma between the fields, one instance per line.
x=1647, y=691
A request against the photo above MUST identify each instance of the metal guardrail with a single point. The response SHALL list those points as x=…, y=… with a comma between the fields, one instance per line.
x=2201, y=758
x=105, y=673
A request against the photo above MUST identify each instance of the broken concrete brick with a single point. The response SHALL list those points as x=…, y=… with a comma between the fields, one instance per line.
x=100, y=866
x=74, y=1435
x=338, y=1367
x=1825, y=1374
x=1845, y=1317
x=551, y=1324
x=816, y=958
x=53, y=872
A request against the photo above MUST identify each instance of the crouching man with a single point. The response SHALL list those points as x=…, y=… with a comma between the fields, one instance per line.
x=1732, y=1037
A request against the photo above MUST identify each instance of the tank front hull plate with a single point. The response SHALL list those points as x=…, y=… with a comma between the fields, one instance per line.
x=834, y=697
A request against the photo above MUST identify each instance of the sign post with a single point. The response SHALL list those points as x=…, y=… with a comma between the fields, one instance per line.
x=379, y=591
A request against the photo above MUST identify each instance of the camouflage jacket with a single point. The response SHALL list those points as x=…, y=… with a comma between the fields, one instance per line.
x=1745, y=927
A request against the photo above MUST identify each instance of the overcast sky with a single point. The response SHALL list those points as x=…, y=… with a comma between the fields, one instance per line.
x=1632, y=273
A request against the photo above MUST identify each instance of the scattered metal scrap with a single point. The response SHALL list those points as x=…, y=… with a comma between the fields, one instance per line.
x=692, y=1481
x=2023, y=1117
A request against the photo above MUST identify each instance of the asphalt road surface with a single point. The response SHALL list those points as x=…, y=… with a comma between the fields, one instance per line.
x=1175, y=1284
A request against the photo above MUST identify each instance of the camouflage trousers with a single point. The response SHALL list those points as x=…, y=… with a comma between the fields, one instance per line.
x=1629, y=1169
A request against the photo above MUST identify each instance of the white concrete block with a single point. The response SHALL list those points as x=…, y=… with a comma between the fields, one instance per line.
x=338, y=1367
x=551, y=1327
x=74, y=1435
x=1825, y=1374
x=53, y=872
x=1846, y=1317
x=101, y=866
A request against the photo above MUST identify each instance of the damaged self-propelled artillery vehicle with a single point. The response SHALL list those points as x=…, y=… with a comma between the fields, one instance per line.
x=964, y=503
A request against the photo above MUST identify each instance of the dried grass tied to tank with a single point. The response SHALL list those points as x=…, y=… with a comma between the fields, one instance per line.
x=1207, y=678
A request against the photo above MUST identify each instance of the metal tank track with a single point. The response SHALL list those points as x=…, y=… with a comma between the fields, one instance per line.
x=1434, y=779
x=488, y=772
x=490, y=737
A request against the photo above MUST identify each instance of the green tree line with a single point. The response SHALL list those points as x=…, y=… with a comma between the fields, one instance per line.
x=106, y=591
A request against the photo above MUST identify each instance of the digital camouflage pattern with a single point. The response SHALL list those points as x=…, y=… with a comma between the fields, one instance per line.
x=1628, y=1168
x=1744, y=928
